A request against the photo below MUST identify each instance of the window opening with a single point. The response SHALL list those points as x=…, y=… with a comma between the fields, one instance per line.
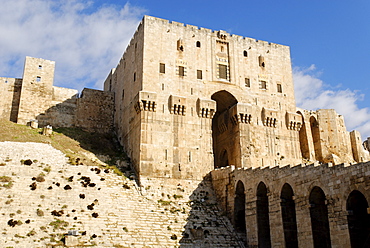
x=247, y=82
x=261, y=61
x=263, y=85
x=222, y=49
x=38, y=79
x=279, y=88
x=181, y=71
x=198, y=44
x=199, y=74
x=222, y=71
x=245, y=53
x=134, y=76
x=40, y=66
x=162, y=68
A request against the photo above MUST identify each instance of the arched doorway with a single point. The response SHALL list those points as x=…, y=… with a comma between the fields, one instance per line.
x=289, y=217
x=319, y=218
x=263, y=219
x=358, y=220
x=225, y=135
x=315, y=130
x=303, y=139
x=239, y=209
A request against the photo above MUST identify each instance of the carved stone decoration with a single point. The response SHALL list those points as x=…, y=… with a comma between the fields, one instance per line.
x=269, y=117
x=177, y=105
x=145, y=101
x=293, y=121
x=206, y=108
x=241, y=113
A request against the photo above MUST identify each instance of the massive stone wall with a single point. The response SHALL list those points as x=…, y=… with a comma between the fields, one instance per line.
x=10, y=89
x=339, y=184
x=190, y=99
x=35, y=98
x=95, y=111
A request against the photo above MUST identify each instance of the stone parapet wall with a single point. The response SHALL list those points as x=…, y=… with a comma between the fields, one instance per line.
x=94, y=111
x=336, y=181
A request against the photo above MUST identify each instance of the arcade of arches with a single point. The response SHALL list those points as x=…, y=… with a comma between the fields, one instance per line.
x=316, y=206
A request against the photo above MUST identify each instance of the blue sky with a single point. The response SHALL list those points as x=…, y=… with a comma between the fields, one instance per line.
x=329, y=41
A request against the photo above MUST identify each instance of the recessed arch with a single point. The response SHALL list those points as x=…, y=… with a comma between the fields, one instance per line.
x=288, y=214
x=224, y=133
x=315, y=130
x=319, y=218
x=358, y=219
x=303, y=139
x=263, y=219
x=239, y=209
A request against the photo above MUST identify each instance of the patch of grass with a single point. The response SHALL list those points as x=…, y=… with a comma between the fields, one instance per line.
x=164, y=203
x=177, y=196
x=5, y=179
x=58, y=224
x=74, y=142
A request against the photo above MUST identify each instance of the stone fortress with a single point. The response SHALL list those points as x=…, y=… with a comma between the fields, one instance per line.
x=189, y=103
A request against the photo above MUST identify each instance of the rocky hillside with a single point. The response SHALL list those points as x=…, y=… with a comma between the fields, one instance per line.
x=48, y=199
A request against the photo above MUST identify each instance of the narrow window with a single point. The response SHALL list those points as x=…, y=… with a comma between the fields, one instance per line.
x=40, y=66
x=162, y=86
x=245, y=53
x=279, y=88
x=263, y=85
x=261, y=61
x=191, y=91
x=222, y=71
x=199, y=74
x=181, y=71
x=222, y=49
x=134, y=76
x=38, y=79
x=189, y=156
x=198, y=44
x=247, y=83
x=180, y=45
x=162, y=68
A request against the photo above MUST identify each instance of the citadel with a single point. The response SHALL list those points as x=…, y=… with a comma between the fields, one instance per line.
x=189, y=104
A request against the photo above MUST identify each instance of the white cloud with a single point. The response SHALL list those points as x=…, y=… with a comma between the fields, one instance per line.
x=311, y=93
x=85, y=42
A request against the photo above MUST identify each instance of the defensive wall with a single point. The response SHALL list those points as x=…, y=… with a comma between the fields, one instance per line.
x=33, y=97
x=313, y=205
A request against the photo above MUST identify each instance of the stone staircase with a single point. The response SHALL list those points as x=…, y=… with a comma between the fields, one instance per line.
x=99, y=207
